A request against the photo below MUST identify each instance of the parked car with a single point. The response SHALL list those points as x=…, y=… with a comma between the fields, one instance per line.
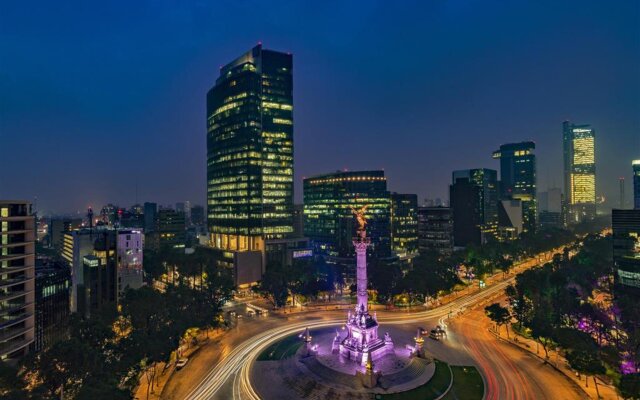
x=181, y=363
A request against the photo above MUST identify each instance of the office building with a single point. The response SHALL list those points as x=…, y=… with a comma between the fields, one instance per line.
x=104, y=262
x=250, y=158
x=53, y=280
x=510, y=219
x=150, y=217
x=17, y=279
x=626, y=246
x=518, y=179
x=579, y=172
x=58, y=226
x=171, y=228
x=550, y=208
x=298, y=220
x=474, y=201
x=198, y=217
x=404, y=225
x=636, y=184
x=435, y=230
x=328, y=217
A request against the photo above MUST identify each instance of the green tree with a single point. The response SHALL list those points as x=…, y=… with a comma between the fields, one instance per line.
x=587, y=363
x=629, y=386
x=499, y=315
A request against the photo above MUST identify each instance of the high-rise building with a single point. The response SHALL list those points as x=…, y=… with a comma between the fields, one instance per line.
x=404, y=225
x=626, y=246
x=435, y=230
x=579, y=172
x=474, y=200
x=58, y=226
x=518, y=178
x=328, y=217
x=250, y=151
x=298, y=220
x=510, y=219
x=198, y=216
x=550, y=208
x=621, y=182
x=53, y=280
x=171, y=230
x=150, y=217
x=17, y=278
x=636, y=184
x=104, y=262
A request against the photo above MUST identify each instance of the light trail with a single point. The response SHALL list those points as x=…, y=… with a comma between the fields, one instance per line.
x=238, y=363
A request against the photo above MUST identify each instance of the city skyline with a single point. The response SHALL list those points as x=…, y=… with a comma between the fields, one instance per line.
x=450, y=107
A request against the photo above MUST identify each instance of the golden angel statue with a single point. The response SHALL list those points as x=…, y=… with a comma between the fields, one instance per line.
x=359, y=213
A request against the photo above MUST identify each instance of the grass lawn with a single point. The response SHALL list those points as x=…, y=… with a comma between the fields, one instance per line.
x=467, y=384
x=282, y=349
x=430, y=390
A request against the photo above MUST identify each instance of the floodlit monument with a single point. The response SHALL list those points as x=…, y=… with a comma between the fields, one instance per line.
x=362, y=343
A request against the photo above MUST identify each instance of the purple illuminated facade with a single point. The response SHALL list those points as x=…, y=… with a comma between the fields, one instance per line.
x=362, y=343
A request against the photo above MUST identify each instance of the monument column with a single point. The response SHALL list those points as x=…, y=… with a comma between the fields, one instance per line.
x=361, y=245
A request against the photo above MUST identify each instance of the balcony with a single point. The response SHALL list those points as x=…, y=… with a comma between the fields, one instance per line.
x=8, y=308
x=6, y=322
x=12, y=295
x=10, y=347
x=14, y=281
x=10, y=333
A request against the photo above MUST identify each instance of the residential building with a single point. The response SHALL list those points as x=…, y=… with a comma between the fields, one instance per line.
x=579, y=172
x=435, y=230
x=17, y=279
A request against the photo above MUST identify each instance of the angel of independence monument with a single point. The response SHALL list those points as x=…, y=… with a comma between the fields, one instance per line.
x=362, y=343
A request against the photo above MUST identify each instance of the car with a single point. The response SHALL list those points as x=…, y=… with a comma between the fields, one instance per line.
x=251, y=313
x=181, y=363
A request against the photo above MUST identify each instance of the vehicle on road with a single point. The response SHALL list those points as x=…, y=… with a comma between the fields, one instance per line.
x=437, y=333
x=181, y=363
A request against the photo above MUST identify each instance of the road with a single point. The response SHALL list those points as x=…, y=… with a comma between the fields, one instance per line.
x=509, y=372
x=229, y=378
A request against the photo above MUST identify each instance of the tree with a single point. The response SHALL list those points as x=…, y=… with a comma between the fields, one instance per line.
x=499, y=315
x=276, y=283
x=629, y=386
x=384, y=278
x=588, y=363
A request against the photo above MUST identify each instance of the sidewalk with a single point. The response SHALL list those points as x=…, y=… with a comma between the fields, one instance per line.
x=557, y=361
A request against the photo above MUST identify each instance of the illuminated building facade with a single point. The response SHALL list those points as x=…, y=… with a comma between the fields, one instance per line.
x=250, y=152
x=474, y=200
x=518, y=179
x=579, y=172
x=435, y=230
x=17, y=279
x=636, y=184
x=404, y=225
x=328, y=218
x=53, y=280
x=171, y=228
x=626, y=246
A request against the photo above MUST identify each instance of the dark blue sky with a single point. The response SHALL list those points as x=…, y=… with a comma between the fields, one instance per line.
x=96, y=96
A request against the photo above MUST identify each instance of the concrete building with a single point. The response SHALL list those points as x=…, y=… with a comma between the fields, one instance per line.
x=510, y=219
x=17, y=279
x=435, y=230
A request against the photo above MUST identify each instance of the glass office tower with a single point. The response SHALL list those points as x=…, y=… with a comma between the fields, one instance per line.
x=250, y=151
x=518, y=178
x=404, y=225
x=474, y=200
x=579, y=171
x=328, y=219
x=636, y=184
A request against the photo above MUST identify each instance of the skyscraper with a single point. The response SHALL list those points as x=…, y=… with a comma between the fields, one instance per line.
x=404, y=225
x=328, y=219
x=636, y=184
x=474, y=200
x=518, y=178
x=435, y=230
x=250, y=151
x=17, y=278
x=579, y=171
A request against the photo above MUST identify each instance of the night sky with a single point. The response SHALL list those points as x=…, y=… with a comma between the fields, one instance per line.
x=99, y=99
